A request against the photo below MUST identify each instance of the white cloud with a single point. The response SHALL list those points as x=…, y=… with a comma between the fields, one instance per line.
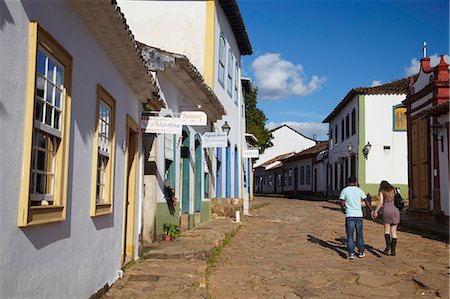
x=376, y=83
x=306, y=128
x=277, y=78
x=414, y=67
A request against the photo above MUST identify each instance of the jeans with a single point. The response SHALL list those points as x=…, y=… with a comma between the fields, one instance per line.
x=352, y=223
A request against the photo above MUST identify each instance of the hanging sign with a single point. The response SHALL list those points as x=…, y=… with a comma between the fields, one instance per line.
x=214, y=139
x=193, y=118
x=250, y=153
x=165, y=125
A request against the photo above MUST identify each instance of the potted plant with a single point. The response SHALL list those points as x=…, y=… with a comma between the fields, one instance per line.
x=171, y=231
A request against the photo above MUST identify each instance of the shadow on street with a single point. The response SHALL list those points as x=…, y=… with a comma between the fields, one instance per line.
x=404, y=226
x=339, y=246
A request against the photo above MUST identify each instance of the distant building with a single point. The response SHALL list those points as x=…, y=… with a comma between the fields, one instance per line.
x=285, y=140
x=427, y=105
x=367, y=138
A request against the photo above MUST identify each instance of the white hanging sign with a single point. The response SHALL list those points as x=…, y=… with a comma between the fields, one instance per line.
x=165, y=125
x=214, y=139
x=250, y=153
x=193, y=118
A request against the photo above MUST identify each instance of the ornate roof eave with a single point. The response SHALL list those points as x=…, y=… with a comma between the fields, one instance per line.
x=108, y=26
x=187, y=78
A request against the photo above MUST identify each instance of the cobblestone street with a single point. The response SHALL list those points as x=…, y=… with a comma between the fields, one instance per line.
x=287, y=248
x=294, y=248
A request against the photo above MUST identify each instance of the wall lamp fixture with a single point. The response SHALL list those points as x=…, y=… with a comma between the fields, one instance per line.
x=366, y=149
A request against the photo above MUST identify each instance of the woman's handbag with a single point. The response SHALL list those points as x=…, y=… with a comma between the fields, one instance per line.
x=398, y=201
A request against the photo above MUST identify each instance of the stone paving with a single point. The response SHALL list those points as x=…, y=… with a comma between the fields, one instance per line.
x=288, y=248
x=174, y=269
x=296, y=249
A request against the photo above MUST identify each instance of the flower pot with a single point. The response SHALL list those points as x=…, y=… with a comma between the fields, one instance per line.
x=167, y=238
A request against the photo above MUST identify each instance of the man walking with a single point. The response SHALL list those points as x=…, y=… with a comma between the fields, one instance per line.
x=351, y=197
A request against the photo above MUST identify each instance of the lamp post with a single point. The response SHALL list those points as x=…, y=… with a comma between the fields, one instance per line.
x=366, y=149
x=436, y=128
x=226, y=128
x=349, y=147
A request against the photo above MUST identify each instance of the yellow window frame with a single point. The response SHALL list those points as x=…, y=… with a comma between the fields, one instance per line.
x=98, y=209
x=33, y=215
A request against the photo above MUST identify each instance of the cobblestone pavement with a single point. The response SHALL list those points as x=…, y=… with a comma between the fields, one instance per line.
x=296, y=249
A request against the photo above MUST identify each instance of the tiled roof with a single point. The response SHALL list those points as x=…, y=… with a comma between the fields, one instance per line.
x=394, y=87
x=277, y=158
x=108, y=25
x=157, y=60
x=315, y=150
x=231, y=10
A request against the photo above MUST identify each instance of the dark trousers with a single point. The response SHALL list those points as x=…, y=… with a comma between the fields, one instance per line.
x=352, y=224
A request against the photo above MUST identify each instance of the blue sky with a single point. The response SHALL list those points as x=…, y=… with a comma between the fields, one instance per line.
x=309, y=53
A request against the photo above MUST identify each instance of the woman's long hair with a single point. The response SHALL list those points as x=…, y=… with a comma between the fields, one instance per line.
x=387, y=190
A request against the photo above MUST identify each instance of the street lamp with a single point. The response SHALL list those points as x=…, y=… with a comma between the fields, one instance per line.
x=226, y=128
x=366, y=149
x=349, y=147
x=436, y=128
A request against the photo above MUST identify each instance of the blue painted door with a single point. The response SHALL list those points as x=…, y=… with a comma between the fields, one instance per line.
x=185, y=155
x=236, y=173
x=219, y=173
x=198, y=174
x=249, y=176
x=228, y=171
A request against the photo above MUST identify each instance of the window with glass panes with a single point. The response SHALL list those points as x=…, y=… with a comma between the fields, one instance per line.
x=230, y=73
x=47, y=133
x=221, y=60
x=103, y=156
x=236, y=94
x=104, y=150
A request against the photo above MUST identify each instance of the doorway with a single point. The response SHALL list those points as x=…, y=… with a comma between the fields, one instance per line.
x=131, y=157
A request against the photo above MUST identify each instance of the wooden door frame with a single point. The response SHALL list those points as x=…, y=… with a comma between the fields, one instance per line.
x=129, y=214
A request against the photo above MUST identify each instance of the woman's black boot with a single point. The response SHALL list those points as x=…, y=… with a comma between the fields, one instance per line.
x=393, y=244
x=387, y=238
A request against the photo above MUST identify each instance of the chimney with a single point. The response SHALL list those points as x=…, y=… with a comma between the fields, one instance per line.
x=425, y=64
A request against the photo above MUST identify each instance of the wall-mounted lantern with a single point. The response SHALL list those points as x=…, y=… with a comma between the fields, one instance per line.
x=366, y=149
x=436, y=128
x=226, y=128
x=349, y=147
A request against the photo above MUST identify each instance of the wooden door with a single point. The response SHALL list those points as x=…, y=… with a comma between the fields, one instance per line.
x=130, y=192
x=420, y=164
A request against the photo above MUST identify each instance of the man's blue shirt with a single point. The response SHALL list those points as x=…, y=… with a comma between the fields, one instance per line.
x=352, y=196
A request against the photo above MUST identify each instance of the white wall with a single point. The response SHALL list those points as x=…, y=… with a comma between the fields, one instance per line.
x=284, y=140
x=76, y=257
x=340, y=149
x=174, y=26
x=390, y=165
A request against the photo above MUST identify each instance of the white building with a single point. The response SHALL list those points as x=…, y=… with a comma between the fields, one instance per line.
x=182, y=88
x=72, y=90
x=369, y=120
x=294, y=173
x=428, y=144
x=212, y=35
x=285, y=140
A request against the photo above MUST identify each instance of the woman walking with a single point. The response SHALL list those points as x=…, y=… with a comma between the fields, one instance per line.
x=391, y=216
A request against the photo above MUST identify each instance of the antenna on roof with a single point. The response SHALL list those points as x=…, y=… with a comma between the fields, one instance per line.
x=424, y=50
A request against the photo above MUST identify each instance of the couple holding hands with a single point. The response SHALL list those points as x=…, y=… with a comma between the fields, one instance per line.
x=351, y=198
